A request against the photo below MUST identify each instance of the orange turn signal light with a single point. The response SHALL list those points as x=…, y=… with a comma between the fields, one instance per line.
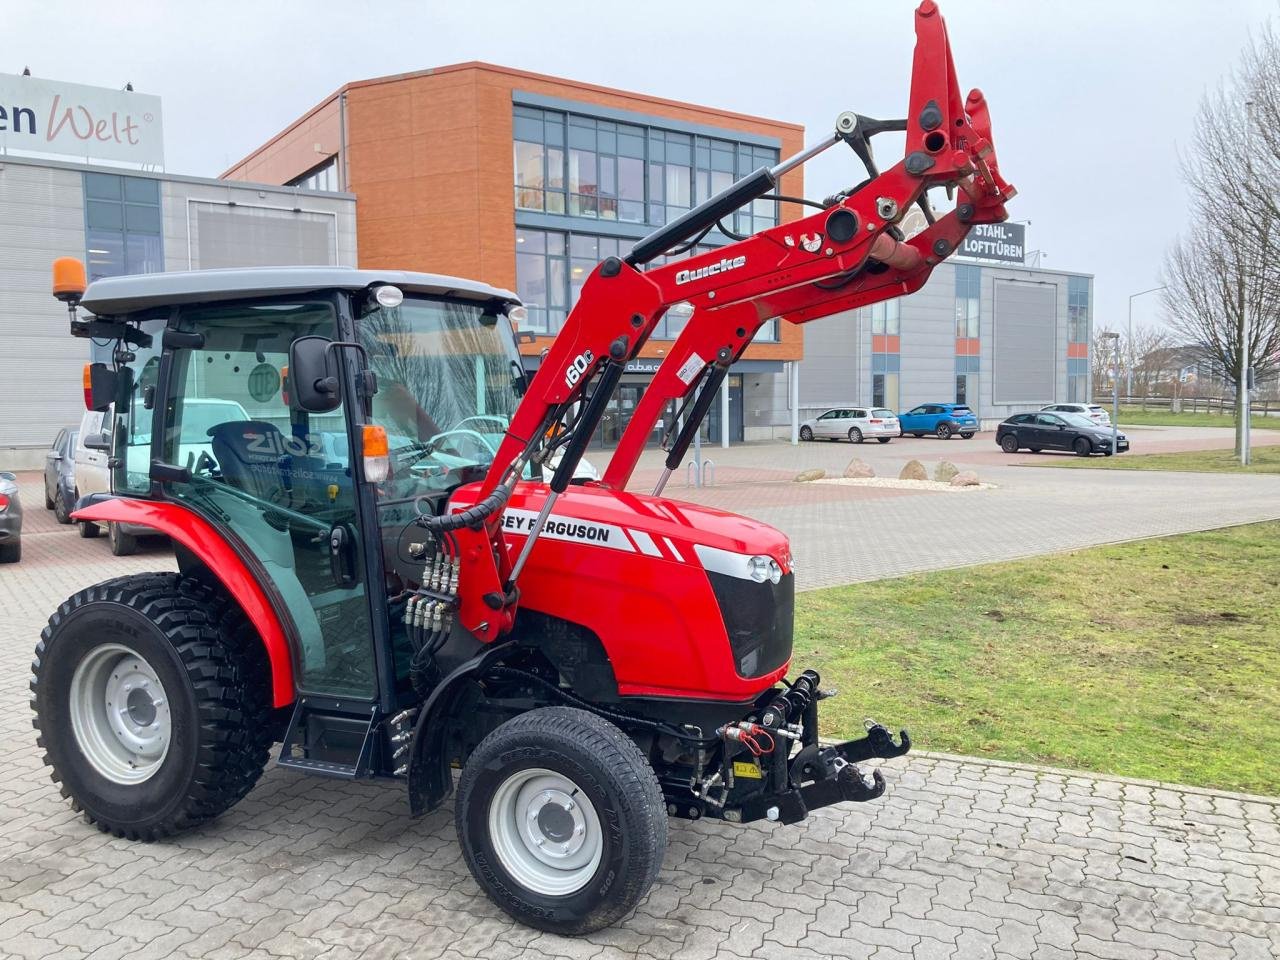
x=88, y=386
x=374, y=441
x=69, y=279
x=376, y=452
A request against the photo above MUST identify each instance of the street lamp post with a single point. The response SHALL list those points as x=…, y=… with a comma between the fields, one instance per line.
x=1115, y=380
x=1245, y=333
x=1128, y=381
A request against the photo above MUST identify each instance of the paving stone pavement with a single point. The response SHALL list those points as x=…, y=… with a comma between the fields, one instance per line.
x=962, y=859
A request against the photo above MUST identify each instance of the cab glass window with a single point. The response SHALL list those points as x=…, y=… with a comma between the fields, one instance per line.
x=133, y=413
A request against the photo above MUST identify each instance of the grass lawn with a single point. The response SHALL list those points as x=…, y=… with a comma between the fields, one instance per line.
x=1136, y=416
x=1157, y=659
x=1263, y=460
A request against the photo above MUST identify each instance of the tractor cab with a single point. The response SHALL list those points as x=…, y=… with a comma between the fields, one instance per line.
x=259, y=399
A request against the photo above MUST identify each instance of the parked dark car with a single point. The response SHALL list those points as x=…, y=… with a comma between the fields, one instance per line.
x=1057, y=431
x=60, y=475
x=10, y=519
x=943, y=420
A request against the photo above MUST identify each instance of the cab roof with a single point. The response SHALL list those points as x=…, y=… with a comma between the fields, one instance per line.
x=120, y=295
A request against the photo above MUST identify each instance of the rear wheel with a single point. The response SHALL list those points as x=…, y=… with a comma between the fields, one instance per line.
x=11, y=552
x=1035, y=449
x=855, y=435
x=1009, y=443
x=806, y=433
x=943, y=431
x=561, y=820
x=1082, y=447
x=122, y=544
x=917, y=435
x=966, y=436
x=884, y=439
x=151, y=695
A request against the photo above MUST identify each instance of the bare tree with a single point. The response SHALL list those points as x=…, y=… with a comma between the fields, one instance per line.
x=1226, y=267
x=1150, y=355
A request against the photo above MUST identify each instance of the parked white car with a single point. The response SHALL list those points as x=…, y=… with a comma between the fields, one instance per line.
x=1095, y=412
x=93, y=451
x=854, y=424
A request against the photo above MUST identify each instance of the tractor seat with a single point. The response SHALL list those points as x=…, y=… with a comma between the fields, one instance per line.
x=250, y=454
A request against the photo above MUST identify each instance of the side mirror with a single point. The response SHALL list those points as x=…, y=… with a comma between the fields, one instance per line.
x=98, y=441
x=101, y=385
x=313, y=375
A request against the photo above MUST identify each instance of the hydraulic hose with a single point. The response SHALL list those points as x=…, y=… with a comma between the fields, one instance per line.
x=471, y=517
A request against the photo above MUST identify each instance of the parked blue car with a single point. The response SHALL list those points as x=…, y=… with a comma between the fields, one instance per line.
x=943, y=420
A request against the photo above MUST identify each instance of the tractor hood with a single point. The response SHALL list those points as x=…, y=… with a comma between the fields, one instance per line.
x=654, y=526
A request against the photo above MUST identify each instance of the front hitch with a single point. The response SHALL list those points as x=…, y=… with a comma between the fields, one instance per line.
x=820, y=776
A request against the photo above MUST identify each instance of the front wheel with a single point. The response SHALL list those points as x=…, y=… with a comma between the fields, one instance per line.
x=1009, y=443
x=885, y=439
x=152, y=703
x=88, y=530
x=60, y=511
x=855, y=435
x=561, y=820
x=943, y=431
x=806, y=433
x=1082, y=447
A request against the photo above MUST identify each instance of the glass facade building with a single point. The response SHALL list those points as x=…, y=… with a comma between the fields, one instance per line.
x=590, y=174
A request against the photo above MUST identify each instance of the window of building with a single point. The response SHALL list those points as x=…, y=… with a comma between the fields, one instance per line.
x=588, y=167
x=122, y=225
x=883, y=317
x=1078, y=309
x=552, y=266
x=760, y=213
x=323, y=177
x=968, y=300
x=884, y=390
x=1077, y=379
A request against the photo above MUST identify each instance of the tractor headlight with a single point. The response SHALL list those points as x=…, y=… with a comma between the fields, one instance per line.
x=763, y=568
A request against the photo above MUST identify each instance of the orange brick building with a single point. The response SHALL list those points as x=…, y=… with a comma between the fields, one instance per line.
x=527, y=181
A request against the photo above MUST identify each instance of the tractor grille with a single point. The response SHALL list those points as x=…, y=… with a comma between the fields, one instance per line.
x=758, y=618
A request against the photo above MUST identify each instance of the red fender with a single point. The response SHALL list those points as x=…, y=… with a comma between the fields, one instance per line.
x=202, y=539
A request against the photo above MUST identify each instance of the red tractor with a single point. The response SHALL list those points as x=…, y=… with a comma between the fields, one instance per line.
x=387, y=564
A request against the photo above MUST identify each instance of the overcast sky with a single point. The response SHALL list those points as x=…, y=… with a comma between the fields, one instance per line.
x=1090, y=100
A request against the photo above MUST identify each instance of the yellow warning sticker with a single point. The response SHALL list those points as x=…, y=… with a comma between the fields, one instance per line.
x=743, y=768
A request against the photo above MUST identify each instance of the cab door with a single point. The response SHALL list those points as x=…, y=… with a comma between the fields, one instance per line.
x=277, y=480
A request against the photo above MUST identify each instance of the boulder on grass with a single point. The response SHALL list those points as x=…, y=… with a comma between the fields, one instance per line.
x=914, y=470
x=804, y=476
x=944, y=471
x=966, y=478
x=859, y=470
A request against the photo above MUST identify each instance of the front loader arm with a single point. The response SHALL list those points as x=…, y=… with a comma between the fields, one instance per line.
x=846, y=255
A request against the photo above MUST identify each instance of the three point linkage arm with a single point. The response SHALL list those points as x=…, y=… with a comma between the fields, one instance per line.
x=848, y=254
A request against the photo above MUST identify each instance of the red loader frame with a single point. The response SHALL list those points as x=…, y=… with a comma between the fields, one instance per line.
x=847, y=255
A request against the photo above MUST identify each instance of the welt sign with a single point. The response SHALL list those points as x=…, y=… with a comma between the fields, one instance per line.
x=71, y=120
x=996, y=241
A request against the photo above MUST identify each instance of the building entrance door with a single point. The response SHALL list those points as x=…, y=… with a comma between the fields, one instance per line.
x=620, y=411
x=711, y=425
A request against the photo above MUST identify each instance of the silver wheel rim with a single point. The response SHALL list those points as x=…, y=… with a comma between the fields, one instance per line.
x=120, y=714
x=545, y=832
